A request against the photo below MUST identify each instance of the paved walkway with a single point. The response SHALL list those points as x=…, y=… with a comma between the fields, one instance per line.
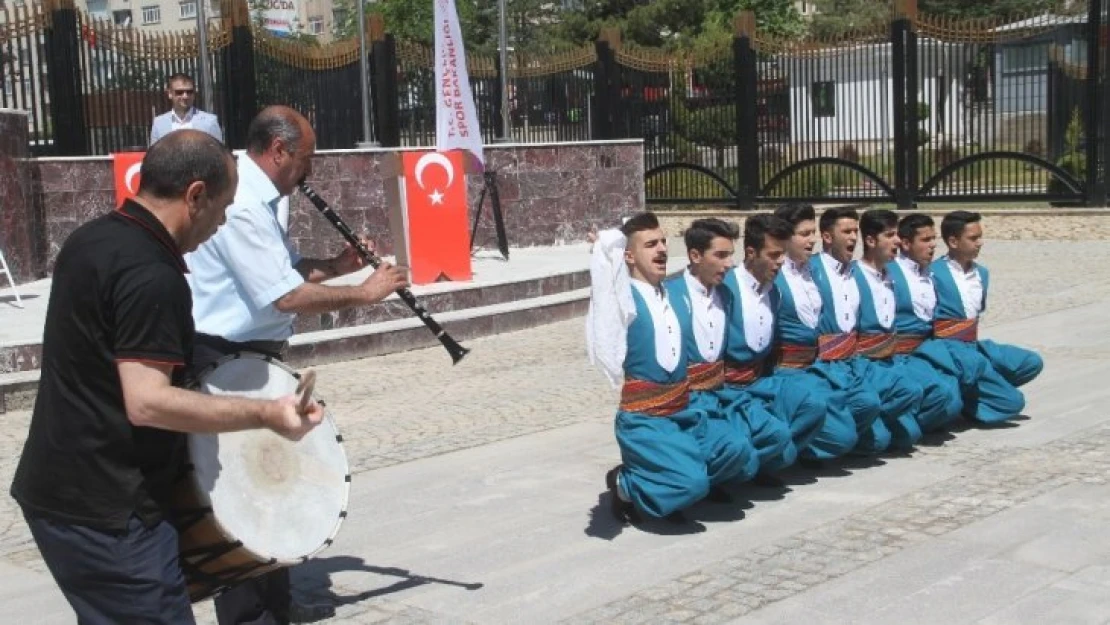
x=477, y=491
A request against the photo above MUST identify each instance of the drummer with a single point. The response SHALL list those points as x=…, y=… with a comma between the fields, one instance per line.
x=248, y=284
x=107, y=433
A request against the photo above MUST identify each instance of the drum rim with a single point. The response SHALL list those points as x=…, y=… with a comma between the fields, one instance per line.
x=205, y=500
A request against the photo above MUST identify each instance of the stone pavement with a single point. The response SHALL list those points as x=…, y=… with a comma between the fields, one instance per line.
x=478, y=495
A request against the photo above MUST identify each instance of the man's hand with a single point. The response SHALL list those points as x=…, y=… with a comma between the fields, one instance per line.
x=287, y=420
x=385, y=280
x=350, y=260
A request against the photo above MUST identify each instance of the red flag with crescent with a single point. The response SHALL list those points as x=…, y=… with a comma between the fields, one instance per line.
x=435, y=201
x=127, y=166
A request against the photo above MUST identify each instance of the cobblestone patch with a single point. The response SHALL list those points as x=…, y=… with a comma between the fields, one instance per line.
x=787, y=567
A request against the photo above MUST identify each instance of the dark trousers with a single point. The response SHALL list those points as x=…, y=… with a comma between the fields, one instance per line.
x=112, y=578
x=262, y=600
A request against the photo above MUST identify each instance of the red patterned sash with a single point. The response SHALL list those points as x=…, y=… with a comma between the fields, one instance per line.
x=836, y=346
x=794, y=356
x=743, y=374
x=656, y=400
x=960, y=329
x=877, y=346
x=907, y=343
x=706, y=376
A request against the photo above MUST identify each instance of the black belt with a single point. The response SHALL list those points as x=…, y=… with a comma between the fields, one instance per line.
x=275, y=349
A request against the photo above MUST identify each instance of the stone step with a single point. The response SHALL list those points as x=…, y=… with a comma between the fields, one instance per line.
x=18, y=389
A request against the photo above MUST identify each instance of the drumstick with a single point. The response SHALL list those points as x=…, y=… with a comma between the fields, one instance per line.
x=304, y=390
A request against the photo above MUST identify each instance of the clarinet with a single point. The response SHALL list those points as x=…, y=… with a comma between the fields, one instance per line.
x=451, y=345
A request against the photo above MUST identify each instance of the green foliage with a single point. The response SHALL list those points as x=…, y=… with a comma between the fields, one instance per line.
x=135, y=76
x=1074, y=161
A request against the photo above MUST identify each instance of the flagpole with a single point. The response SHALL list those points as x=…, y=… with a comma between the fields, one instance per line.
x=503, y=38
x=202, y=56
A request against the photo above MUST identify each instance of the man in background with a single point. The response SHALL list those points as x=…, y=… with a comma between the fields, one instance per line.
x=181, y=90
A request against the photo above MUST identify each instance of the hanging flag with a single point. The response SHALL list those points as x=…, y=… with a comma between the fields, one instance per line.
x=456, y=118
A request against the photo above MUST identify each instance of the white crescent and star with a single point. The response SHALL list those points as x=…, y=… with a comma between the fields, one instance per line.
x=429, y=159
x=129, y=177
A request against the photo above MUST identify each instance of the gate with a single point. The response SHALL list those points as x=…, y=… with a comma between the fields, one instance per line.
x=921, y=110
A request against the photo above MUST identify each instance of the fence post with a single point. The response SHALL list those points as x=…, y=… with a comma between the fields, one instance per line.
x=904, y=78
x=240, y=89
x=605, y=81
x=383, y=83
x=1095, y=184
x=747, y=126
x=67, y=117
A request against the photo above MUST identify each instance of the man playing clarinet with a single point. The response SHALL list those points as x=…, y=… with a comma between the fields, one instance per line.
x=249, y=283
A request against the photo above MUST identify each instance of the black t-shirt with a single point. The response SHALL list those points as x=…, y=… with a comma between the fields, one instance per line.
x=119, y=293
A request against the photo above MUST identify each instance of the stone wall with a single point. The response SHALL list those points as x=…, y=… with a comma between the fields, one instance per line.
x=18, y=222
x=549, y=194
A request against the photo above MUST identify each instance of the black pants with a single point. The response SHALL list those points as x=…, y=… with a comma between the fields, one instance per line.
x=110, y=578
x=262, y=600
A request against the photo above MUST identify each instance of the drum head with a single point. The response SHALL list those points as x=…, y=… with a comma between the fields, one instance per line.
x=282, y=500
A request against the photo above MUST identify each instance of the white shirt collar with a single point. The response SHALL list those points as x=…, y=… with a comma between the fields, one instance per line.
x=843, y=269
x=746, y=279
x=251, y=175
x=796, y=267
x=879, y=275
x=912, y=266
x=187, y=118
x=695, y=285
x=958, y=268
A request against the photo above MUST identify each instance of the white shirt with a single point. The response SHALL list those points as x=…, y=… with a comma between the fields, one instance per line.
x=709, y=318
x=807, y=299
x=882, y=292
x=238, y=274
x=178, y=123
x=970, y=285
x=845, y=292
x=921, y=288
x=759, y=317
x=668, y=334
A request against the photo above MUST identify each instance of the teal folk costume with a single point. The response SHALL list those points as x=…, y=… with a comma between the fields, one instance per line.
x=961, y=299
x=897, y=397
x=783, y=413
x=878, y=343
x=930, y=361
x=661, y=437
x=812, y=347
x=727, y=441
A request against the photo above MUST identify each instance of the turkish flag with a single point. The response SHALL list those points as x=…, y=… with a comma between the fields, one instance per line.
x=127, y=166
x=435, y=203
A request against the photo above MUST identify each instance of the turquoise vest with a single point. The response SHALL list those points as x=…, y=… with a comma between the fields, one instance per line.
x=679, y=294
x=949, y=303
x=736, y=346
x=639, y=360
x=789, y=328
x=868, y=322
x=826, y=322
x=905, y=320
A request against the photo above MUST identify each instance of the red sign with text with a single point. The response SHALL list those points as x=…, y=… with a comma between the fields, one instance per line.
x=435, y=201
x=127, y=166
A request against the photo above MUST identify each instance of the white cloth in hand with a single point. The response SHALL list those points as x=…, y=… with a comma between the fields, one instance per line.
x=612, y=308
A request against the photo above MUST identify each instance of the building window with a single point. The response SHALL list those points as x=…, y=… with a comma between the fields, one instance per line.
x=824, y=99
x=188, y=10
x=152, y=14
x=316, y=25
x=122, y=17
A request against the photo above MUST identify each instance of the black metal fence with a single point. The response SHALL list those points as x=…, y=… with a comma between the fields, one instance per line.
x=920, y=110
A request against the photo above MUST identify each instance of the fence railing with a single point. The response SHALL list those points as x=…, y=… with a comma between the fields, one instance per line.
x=919, y=109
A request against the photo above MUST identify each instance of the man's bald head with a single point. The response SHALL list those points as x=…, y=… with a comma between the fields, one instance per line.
x=278, y=123
x=281, y=141
x=181, y=158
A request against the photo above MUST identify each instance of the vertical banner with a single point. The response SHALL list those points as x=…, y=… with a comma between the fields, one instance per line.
x=434, y=189
x=126, y=168
x=456, y=118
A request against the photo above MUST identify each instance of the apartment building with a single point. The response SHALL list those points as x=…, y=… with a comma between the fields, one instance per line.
x=281, y=17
